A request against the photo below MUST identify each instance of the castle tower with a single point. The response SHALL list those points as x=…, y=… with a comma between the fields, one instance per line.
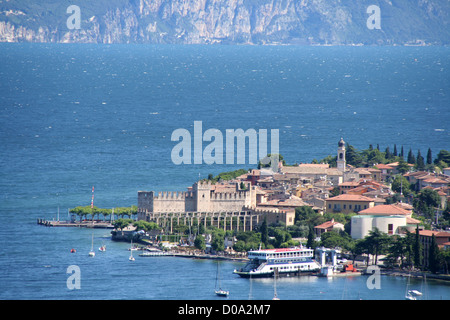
x=341, y=155
x=202, y=195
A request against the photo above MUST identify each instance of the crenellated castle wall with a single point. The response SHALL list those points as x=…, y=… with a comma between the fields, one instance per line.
x=201, y=199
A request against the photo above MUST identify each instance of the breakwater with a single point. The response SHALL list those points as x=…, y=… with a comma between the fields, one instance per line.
x=82, y=224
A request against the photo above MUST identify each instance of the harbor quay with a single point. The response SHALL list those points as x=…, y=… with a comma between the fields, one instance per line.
x=83, y=224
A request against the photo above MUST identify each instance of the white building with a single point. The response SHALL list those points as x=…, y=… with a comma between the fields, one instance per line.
x=390, y=219
x=362, y=225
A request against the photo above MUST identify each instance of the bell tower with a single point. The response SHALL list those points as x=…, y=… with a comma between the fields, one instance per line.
x=341, y=155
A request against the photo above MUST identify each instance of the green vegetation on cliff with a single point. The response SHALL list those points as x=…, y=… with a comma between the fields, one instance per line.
x=229, y=22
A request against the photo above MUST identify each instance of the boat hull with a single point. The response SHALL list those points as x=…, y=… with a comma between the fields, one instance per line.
x=222, y=293
x=244, y=274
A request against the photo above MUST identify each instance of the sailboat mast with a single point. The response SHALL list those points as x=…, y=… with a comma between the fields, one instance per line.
x=217, y=275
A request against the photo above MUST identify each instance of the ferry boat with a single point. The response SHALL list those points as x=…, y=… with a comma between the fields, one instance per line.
x=288, y=261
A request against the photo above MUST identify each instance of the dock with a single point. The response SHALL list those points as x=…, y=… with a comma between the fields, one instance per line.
x=152, y=252
x=155, y=254
x=82, y=224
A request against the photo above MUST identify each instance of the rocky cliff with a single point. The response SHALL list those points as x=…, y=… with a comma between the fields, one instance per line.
x=227, y=21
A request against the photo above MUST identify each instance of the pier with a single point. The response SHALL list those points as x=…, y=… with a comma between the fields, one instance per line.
x=192, y=256
x=82, y=224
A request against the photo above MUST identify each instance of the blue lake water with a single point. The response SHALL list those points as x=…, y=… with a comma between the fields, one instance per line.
x=77, y=116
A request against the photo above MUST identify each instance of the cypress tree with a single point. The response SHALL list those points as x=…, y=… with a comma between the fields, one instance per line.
x=417, y=255
x=310, y=241
x=387, y=153
x=265, y=233
x=411, y=158
x=401, y=153
x=429, y=157
x=433, y=256
x=420, y=163
x=395, y=150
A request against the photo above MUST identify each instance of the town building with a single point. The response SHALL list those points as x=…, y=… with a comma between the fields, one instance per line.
x=423, y=179
x=348, y=203
x=327, y=227
x=391, y=219
x=434, y=182
x=314, y=173
x=386, y=170
x=442, y=239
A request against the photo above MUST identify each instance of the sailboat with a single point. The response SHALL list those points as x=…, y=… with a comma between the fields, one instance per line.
x=92, y=252
x=220, y=292
x=275, y=297
x=131, y=258
x=414, y=294
x=411, y=294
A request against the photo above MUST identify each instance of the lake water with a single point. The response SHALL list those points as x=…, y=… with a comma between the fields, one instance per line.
x=77, y=116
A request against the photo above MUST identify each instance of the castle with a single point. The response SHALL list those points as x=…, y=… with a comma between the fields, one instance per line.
x=201, y=197
x=234, y=204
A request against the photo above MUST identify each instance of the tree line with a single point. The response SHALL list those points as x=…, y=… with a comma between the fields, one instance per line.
x=84, y=211
x=372, y=156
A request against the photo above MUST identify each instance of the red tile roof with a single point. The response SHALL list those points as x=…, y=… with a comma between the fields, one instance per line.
x=349, y=184
x=383, y=166
x=385, y=209
x=412, y=221
x=435, y=180
x=351, y=197
x=403, y=205
x=326, y=225
x=429, y=233
x=293, y=202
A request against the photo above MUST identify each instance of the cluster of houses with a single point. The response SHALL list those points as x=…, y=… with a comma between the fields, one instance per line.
x=263, y=194
x=361, y=190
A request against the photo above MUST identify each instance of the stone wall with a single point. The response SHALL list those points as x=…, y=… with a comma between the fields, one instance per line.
x=201, y=199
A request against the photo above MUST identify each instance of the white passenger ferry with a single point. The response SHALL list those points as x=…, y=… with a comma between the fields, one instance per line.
x=289, y=261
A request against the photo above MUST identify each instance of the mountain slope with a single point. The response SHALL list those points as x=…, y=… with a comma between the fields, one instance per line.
x=227, y=21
